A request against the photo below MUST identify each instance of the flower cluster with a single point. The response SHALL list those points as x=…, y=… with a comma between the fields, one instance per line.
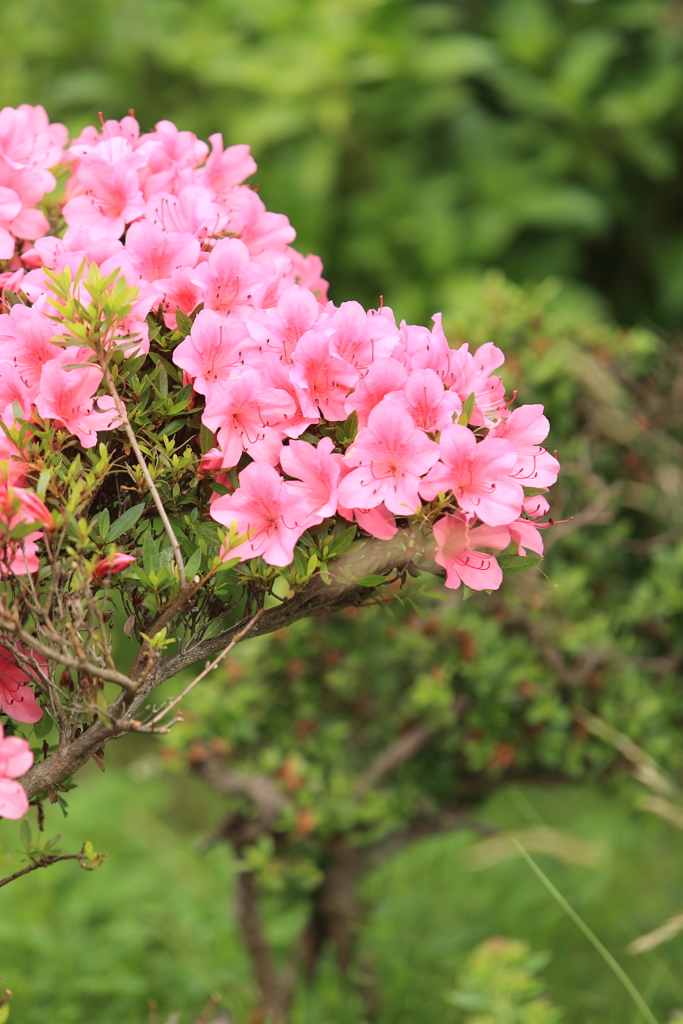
x=321, y=410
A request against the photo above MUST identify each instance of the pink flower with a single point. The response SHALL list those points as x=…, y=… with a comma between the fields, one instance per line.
x=28, y=140
x=316, y=470
x=214, y=350
x=155, y=254
x=268, y=510
x=478, y=474
x=109, y=195
x=193, y=210
x=383, y=377
x=526, y=428
x=226, y=168
x=471, y=374
x=359, y=337
x=25, y=340
x=431, y=407
x=456, y=551
x=242, y=411
x=66, y=396
x=15, y=760
x=391, y=455
x=111, y=564
x=180, y=292
x=280, y=329
x=323, y=377
x=16, y=698
x=228, y=279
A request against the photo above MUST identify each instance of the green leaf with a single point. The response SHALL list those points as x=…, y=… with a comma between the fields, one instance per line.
x=150, y=554
x=184, y=323
x=341, y=543
x=370, y=581
x=171, y=428
x=104, y=524
x=125, y=522
x=531, y=492
x=193, y=563
x=467, y=410
x=25, y=833
x=206, y=439
x=4, y=1010
x=43, y=726
x=518, y=563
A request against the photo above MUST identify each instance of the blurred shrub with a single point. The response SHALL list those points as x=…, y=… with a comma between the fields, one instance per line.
x=410, y=142
x=341, y=740
x=499, y=980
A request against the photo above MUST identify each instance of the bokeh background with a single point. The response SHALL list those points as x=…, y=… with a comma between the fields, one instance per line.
x=516, y=164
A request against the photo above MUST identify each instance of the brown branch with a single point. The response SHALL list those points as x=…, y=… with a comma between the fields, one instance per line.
x=260, y=789
x=10, y=624
x=401, y=750
x=45, y=862
x=253, y=932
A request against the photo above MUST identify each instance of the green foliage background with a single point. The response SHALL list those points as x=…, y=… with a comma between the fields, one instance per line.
x=414, y=145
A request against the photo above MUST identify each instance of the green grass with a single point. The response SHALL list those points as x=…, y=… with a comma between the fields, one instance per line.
x=155, y=922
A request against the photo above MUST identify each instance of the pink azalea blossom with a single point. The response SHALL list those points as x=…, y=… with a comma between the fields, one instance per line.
x=456, y=551
x=26, y=341
x=111, y=564
x=431, y=407
x=391, y=455
x=66, y=396
x=15, y=760
x=155, y=254
x=28, y=140
x=226, y=168
x=214, y=350
x=316, y=471
x=280, y=329
x=16, y=698
x=228, y=279
x=471, y=375
x=383, y=377
x=242, y=411
x=270, y=511
x=109, y=196
x=180, y=292
x=192, y=210
x=526, y=428
x=478, y=474
x=359, y=337
x=323, y=377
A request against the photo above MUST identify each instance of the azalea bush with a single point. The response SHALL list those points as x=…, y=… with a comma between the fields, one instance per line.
x=341, y=741
x=196, y=442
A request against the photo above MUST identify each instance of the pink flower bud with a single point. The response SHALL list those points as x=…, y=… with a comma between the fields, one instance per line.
x=116, y=562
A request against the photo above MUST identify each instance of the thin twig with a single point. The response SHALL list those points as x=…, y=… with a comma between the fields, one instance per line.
x=45, y=863
x=111, y=675
x=207, y=669
x=156, y=497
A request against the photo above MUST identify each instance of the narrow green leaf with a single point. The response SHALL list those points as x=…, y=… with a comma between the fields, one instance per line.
x=184, y=323
x=206, y=439
x=518, y=563
x=467, y=410
x=25, y=833
x=43, y=726
x=370, y=581
x=125, y=522
x=193, y=563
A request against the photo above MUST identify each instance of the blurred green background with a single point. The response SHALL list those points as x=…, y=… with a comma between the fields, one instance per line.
x=411, y=142
x=415, y=146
